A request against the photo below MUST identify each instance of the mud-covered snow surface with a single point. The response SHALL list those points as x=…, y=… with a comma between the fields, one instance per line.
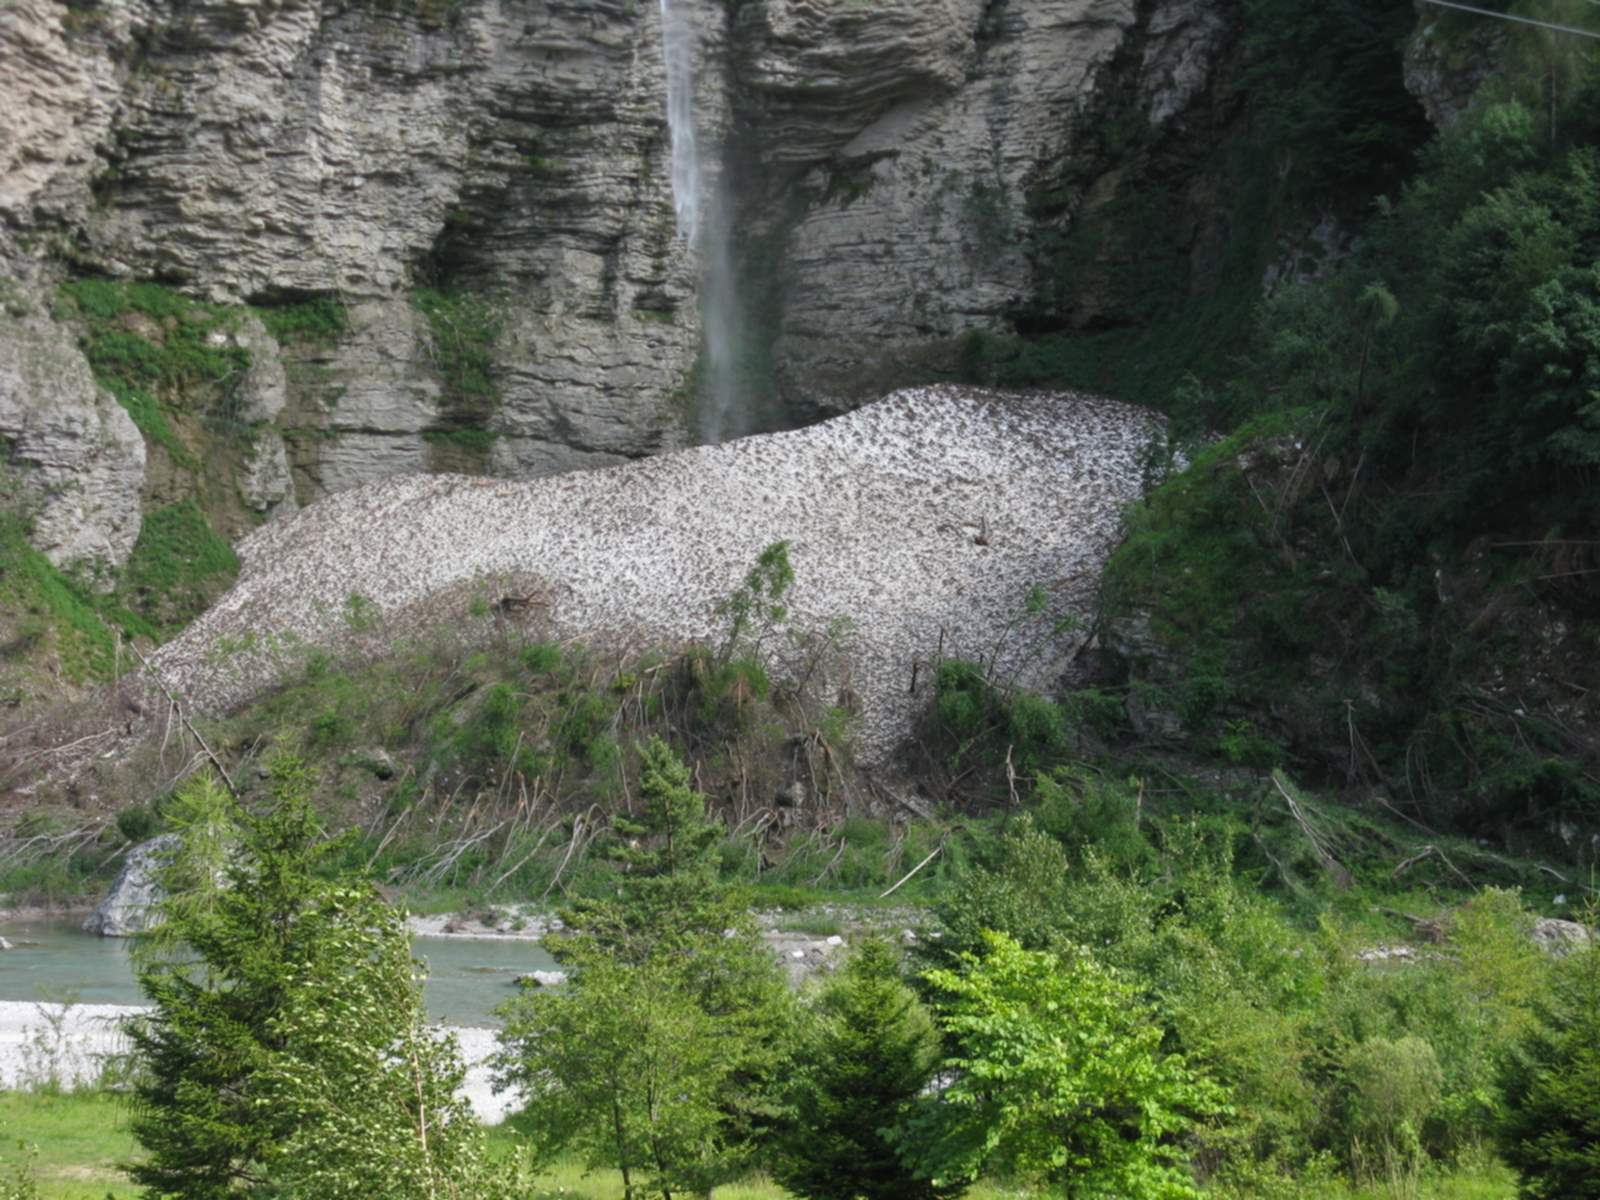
x=925, y=518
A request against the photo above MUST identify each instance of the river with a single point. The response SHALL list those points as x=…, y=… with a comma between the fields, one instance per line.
x=53, y=959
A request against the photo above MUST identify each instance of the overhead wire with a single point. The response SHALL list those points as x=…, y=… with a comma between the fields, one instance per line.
x=1489, y=12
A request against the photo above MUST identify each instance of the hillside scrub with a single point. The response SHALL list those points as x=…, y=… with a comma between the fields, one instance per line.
x=1403, y=520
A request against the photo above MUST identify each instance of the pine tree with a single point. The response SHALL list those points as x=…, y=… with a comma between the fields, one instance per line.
x=286, y=1053
x=1551, y=1129
x=869, y=1051
x=671, y=892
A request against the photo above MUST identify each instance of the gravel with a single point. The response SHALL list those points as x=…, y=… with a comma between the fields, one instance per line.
x=925, y=518
x=37, y=1039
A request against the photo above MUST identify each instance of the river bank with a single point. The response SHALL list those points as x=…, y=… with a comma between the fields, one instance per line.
x=73, y=1045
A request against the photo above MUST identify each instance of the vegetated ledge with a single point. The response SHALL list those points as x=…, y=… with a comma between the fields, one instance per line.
x=924, y=520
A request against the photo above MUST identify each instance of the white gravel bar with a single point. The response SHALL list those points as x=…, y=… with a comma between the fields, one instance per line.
x=37, y=1039
x=925, y=518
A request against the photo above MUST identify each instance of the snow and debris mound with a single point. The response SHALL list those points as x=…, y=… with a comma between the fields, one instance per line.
x=925, y=518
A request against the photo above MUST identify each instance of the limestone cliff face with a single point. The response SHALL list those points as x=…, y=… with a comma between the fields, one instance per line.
x=885, y=161
x=897, y=153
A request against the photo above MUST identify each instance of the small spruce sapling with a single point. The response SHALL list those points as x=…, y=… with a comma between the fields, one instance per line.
x=869, y=1048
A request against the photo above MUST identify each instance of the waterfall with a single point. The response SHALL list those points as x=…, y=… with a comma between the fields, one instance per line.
x=677, y=47
x=702, y=208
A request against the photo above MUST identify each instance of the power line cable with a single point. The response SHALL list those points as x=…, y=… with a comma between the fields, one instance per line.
x=1489, y=12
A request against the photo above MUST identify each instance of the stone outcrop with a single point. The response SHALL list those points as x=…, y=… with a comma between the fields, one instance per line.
x=925, y=518
x=894, y=156
x=1445, y=64
x=1558, y=937
x=128, y=907
x=883, y=159
x=78, y=457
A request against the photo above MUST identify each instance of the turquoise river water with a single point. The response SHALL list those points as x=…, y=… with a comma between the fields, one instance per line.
x=54, y=959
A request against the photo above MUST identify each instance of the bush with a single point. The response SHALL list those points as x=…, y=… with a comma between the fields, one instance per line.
x=1055, y=1076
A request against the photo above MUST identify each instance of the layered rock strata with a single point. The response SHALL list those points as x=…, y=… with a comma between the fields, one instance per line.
x=884, y=164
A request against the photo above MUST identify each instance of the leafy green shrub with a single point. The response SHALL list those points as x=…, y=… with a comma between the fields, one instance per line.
x=1055, y=1075
x=977, y=719
x=1394, y=1088
x=138, y=823
x=1085, y=811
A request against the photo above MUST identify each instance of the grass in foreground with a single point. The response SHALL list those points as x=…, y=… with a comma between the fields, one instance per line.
x=80, y=1138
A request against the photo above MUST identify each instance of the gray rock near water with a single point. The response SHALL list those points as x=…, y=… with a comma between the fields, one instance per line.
x=542, y=979
x=129, y=906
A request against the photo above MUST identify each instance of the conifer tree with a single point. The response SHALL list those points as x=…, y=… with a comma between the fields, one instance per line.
x=676, y=1007
x=1551, y=1129
x=285, y=1053
x=870, y=1049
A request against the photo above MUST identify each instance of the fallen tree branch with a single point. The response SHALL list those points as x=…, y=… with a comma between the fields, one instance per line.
x=907, y=876
x=177, y=706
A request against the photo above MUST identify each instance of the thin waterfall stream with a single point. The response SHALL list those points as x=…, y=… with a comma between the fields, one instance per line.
x=701, y=206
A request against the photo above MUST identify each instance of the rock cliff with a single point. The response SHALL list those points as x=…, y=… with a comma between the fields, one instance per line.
x=271, y=150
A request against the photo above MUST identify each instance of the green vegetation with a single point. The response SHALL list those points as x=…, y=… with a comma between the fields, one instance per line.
x=1551, y=1128
x=286, y=1048
x=1056, y=1078
x=77, y=1142
x=50, y=611
x=178, y=567
x=318, y=321
x=663, y=1059
x=474, y=441
x=868, y=1051
x=464, y=328
x=157, y=351
x=1407, y=501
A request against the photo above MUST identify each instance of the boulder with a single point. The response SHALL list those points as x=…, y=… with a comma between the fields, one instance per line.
x=1560, y=938
x=542, y=979
x=129, y=907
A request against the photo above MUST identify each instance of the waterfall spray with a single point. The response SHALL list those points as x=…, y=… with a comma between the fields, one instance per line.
x=702, y=209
